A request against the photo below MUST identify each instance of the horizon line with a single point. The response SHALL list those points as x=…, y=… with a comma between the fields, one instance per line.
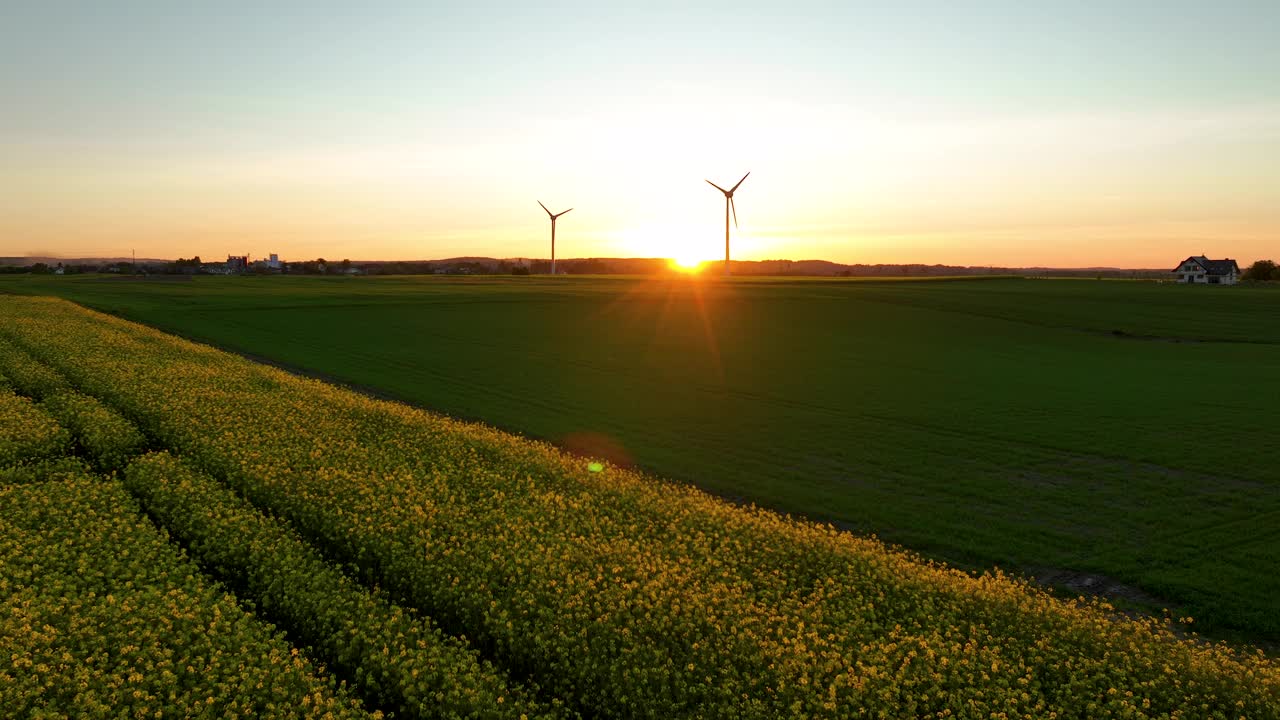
x=37, y=258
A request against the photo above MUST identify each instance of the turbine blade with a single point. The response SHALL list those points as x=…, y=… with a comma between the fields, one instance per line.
x=726, y=192
x=734, y=207
x=561, y=213
x=544, y=207
x=744, y=177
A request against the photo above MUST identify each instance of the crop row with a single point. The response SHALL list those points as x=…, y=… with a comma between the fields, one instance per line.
x=27, y=432
x=102, y=617
x=47, y=470
x=626, y=596
x=397, y=660
x=108, y=439
x=27, y=375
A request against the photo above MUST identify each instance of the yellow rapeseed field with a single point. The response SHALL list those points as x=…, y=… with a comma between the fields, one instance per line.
x=108, y=439
x=397, y=659
x=27, y=432
x=622, y=595
x=101, y=617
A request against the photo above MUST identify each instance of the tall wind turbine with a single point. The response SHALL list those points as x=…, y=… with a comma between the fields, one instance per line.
x=553, y=217
x=728, y=204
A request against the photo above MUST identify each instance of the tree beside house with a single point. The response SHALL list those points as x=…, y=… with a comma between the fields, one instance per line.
x=1262, y=271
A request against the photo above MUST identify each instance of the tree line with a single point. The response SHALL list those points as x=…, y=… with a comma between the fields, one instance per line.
x=1262, y=271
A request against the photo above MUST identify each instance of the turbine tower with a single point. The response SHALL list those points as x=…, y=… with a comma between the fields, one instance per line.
x=728, y=204
x=553, y=217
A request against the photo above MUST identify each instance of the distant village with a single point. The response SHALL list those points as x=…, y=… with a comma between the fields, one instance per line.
x=270, y=265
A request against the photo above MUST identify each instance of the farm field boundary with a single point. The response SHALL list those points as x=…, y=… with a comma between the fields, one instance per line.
x=905, y=409
x=619, y=593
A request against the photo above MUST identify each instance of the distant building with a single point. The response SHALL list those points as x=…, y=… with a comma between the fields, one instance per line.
x=237, y=263
x=1200, y=269
x=273, y=261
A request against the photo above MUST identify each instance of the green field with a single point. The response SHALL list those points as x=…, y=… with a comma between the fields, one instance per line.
x=1122, y=429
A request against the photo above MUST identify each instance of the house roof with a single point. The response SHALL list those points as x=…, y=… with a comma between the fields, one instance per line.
x=1212, y=267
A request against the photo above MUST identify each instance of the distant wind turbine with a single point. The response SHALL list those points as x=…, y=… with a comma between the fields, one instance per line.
x=553, y=217
x=728, y=204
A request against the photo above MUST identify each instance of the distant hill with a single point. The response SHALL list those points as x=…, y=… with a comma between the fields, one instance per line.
x=784, y=268
x=632, y=266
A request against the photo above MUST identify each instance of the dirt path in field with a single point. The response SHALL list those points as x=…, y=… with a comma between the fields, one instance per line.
x=1093, y=585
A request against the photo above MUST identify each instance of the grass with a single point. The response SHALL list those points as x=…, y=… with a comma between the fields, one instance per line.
x=1117, y=428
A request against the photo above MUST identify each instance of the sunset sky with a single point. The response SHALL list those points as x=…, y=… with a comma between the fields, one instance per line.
x=981, y=133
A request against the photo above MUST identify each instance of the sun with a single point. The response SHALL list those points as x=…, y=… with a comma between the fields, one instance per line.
x=686, y=264
x=686, y=251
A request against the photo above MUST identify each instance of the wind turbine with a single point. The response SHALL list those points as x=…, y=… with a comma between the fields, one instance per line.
x=553, y=217
x=728, y=204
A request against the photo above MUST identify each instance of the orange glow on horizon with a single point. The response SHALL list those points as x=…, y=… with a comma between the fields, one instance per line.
x=432, y=135
x=686, y=264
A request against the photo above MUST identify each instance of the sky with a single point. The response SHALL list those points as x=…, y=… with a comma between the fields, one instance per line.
x=1069, y=134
